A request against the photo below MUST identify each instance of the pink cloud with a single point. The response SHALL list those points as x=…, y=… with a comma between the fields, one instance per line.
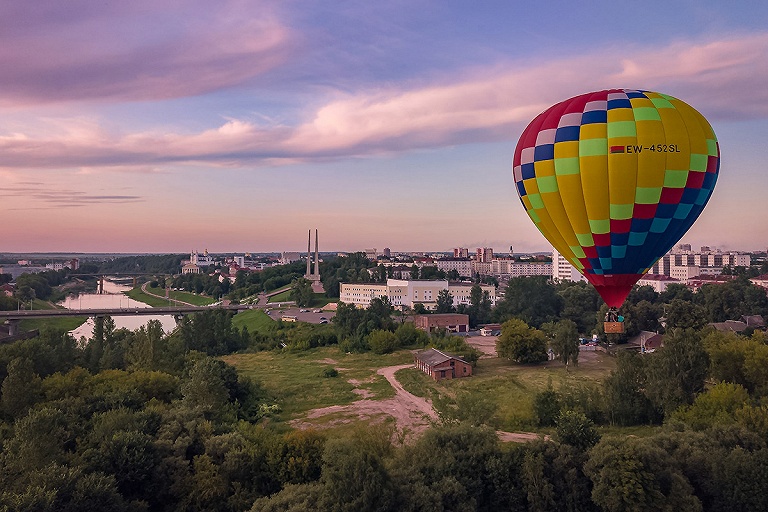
x=138, y=50
x=724, y=79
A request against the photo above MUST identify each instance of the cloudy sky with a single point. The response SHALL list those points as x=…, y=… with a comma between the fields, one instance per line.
x=237, y=125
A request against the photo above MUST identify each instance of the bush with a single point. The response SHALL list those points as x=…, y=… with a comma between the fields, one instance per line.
x=330, y=372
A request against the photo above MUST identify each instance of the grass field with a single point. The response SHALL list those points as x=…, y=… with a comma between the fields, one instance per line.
x=255, y=320
x=66, y=323
x=281, y=297
x=159, y=300
x=510, y=387
x=150, y=300
x=296, y=379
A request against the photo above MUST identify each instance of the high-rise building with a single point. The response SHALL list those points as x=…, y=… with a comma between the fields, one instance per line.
x=460, y=252
x=484, y=254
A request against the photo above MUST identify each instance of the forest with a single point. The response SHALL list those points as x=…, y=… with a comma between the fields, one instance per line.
x=148, y=421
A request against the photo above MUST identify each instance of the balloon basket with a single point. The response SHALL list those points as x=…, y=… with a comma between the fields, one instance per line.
x=613, y=327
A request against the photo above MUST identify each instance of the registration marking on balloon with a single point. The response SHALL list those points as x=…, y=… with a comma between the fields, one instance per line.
x=614, y=178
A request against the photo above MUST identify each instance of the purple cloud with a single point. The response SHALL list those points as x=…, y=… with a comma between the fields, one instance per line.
x=138, y=50
x=722, y=78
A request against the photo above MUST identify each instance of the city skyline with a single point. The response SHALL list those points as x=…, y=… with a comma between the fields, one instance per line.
x=148, y=128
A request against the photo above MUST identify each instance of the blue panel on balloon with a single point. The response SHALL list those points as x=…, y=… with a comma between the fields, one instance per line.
x=665, y=211
x=619, y=103
x=528, y=171
x=544, y=152
x=594, y=116
x=567, y=133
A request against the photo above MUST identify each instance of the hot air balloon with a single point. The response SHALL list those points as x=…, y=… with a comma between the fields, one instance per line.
x=613, y=179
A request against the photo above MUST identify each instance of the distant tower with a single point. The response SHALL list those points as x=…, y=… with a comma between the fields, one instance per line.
x=316, y=273
x=312, y=275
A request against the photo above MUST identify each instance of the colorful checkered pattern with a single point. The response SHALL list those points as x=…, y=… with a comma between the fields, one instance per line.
x=613, y=179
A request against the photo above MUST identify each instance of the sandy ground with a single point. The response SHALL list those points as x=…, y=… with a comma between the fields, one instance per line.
x=412, y=414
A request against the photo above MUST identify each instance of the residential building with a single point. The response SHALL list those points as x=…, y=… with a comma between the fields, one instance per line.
x=484, y=254
x=461, y=265
x=440, y=365
x=406, y=293
x=562, y=270
x=460, y=252
x=658, y=282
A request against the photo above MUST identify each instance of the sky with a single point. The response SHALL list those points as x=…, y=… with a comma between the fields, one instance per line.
x=238, y=125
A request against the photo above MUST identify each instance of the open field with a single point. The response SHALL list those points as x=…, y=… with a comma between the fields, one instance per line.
x=189, y=298
x=510, y=387
x=256, y=320
x=281, y=297
x=150, y=300
x=296, y=379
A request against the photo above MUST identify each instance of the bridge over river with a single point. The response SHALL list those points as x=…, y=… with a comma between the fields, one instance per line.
x=12, y=318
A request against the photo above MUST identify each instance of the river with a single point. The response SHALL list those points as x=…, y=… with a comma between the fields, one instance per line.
x=113, y=297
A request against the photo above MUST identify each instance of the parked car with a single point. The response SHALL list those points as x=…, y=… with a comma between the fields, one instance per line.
x=317, y=310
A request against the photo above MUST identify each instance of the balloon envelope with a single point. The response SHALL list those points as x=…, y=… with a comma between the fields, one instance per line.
x=614, y=178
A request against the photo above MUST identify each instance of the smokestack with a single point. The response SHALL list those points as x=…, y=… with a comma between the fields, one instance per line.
x=309, y=254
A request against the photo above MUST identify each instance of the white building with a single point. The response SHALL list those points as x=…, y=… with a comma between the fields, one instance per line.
x=658, y=282
x=562, y=270
x=461, y=265
x=409, y=292
x=710, y=262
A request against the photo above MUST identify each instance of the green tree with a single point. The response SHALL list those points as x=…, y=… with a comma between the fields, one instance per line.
x=382, y=342
x=575, y=429
x=521, y=343
x=676, y=373
x=717, y=406
x=626, y=401
x=444, y=302
x=414, y=271
x=684, y=315
x=633, y=475
x=301, y=292
x=580, y=304
x=532, y=299
x=564, y=341
x=21, y=388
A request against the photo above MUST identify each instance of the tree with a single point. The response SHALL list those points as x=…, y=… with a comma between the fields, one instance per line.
x=575, y=429
x=521, y=343
x=684, y=315
x=444, y=302
x=625, y=388
x=633, y=475
x=301, y=292
x=532, y=299
x=382, y=342
x=580, y=304
x=676, y=373
x=414, y=271
x=21, y=388
x=479, y=306
x=564, y=341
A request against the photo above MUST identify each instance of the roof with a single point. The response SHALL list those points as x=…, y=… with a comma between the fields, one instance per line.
x=753, y=320
x=432, y=356
x=729, y=325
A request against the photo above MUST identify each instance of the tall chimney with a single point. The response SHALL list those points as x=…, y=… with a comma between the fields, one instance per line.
x=309, y=254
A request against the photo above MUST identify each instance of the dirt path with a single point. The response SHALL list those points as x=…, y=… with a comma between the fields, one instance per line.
x=412, y=414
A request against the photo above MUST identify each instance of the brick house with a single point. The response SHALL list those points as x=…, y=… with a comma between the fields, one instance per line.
x=452, y=322
x=440, y=365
